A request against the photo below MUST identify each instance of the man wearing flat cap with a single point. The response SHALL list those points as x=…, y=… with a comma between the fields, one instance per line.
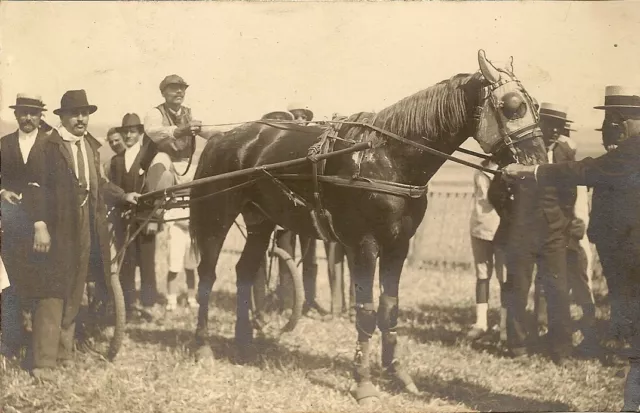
x=65, y=194
x=126, y=172
x=618, y=170
x=171, y=125
x=17, y=230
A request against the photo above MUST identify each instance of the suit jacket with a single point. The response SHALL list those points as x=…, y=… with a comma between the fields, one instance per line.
x=53, y=197
x=617, y=171
x=530, y=216
x=17, y=228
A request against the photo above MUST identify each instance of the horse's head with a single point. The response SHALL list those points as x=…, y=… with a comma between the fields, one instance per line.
x=507, y=120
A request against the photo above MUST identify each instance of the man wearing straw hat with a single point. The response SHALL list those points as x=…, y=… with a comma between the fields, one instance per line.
x=65, y=195
x=17, y=231
x=606, y=203
x=618, y=170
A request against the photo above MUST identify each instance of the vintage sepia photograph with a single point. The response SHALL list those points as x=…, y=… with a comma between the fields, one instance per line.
x=316, y=206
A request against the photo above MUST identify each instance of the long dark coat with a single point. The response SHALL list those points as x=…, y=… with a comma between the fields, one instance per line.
x=52, y=197
x=618, y=170
x=17, y=228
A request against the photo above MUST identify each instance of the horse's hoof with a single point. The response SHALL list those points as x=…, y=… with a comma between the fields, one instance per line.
x=365, y=394
x=204, y=353
x=404, y=380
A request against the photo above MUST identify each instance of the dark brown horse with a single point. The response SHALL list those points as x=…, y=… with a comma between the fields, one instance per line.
x=490, y=105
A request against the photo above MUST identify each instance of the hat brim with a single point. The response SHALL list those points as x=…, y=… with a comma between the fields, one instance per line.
x=307, y=111
x=617, y=107
x=546, y=115
x=92, y=109
x=121, y=128
x=28, y=106
x=598, y=130
x=174, y=83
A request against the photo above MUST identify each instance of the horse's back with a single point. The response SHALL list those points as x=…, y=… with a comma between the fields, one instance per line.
x=255, y=144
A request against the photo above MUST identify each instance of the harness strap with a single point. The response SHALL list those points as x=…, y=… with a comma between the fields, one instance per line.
x=430, y=150
x=369, y=184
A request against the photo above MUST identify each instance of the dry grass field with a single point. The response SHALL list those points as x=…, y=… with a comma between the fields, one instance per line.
x=309, y=369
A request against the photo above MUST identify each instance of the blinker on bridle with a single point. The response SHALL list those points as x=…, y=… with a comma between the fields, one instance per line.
x=509, y=139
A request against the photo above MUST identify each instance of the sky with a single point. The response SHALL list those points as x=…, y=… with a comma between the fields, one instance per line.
x=245, y=59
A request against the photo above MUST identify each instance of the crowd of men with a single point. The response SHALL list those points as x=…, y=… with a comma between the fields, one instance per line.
x=65, y=215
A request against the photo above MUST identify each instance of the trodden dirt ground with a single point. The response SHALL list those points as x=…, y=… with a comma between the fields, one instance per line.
x=309, y=369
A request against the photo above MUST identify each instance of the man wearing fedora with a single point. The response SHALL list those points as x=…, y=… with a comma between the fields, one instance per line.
x=66, y=203
x=537, y=234
x=561, y=148
x=619, y=171
x=126, y=172
x=17, y=231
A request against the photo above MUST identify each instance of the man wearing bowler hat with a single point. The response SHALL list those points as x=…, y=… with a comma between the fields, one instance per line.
x=65, y=194
x=17, y=231
x=619, y=171
x=126, y=172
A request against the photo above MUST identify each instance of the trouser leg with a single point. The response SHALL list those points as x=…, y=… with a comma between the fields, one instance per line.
x=11, y=323
x=519, y=272
x=553, y=267
x=47, y=320
x=148, y=287
x=309, y=269
x=286, y=240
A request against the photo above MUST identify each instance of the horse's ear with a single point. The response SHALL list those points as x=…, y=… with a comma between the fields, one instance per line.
x=509, y=65
x=488, y=70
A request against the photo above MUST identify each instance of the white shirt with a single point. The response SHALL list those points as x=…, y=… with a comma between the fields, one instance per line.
x=484, y=219
x=130, y=155
x=154, y=128
x=72, y=139
x=26, y=141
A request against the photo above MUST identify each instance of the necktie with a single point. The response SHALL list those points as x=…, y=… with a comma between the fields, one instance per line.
x=82, y=177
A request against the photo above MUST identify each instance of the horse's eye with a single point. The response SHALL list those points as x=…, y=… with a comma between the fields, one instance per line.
x=513, y=106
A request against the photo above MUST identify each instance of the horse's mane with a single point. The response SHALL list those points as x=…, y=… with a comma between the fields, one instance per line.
x=441, y=109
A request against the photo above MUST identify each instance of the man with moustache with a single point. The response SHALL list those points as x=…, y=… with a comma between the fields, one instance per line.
x=17, y=231
x=619, y=171
x=126, y=173
x=65, y=194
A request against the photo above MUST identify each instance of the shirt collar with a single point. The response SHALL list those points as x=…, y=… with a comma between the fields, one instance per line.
x=175, y=112
x=27, y=136
x=135, y=147
x=68, y=136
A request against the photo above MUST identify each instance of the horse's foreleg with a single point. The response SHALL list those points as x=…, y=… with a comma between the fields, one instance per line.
x=247, y=268
x=364, y=270
x=391, y=263
x=210, y=252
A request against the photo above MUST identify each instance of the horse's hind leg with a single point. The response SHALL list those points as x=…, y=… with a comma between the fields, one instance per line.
x=391, y=263
x=258, y=236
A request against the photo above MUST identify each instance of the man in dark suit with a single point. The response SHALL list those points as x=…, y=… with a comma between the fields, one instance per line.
x=619, y=170
x=65, y=200
x=17, y=232
x=538, y=219
x=127, y=174
x=601, y=231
